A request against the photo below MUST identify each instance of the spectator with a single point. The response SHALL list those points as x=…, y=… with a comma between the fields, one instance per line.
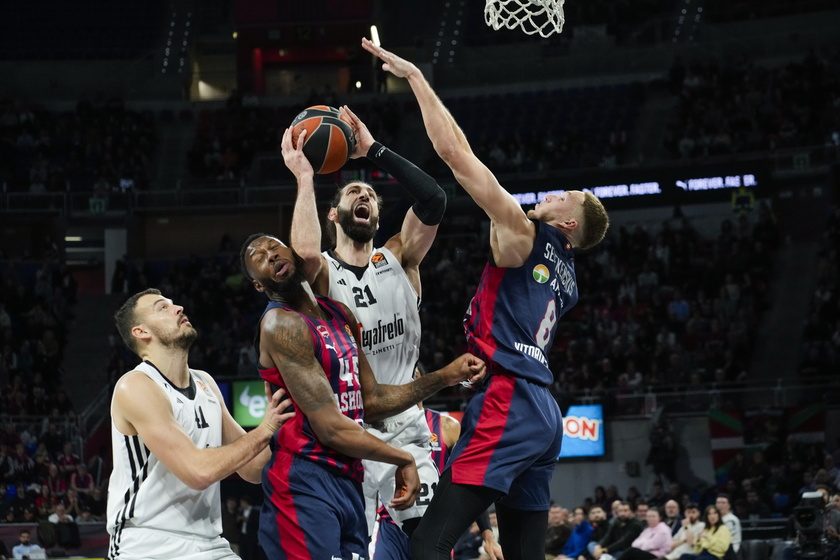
x=81, y=481
x=690, y=524
x=653, y=542
x=673, y=519
x=733, y=524
x=620, y=535
x=230, y=523
x=579, y=538
x=60, y=515
x=714, y=541
x=642, y=508
x=558, y=531
x=26, y=548
x=466, y=548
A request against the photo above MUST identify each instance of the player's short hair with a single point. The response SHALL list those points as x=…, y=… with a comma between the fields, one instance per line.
x=595, y=221
x=126, y=318
x=692, y=505
x=245, y=246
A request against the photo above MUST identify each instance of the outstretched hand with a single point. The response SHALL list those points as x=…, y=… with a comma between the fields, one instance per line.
x=293, y=156
x=399, y=67
x=364, y=139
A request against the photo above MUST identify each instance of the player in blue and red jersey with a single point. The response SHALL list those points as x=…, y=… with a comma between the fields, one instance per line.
x=512, y=429
x=313, y=506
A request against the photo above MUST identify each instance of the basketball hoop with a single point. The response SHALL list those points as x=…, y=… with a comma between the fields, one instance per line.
x=533, y=16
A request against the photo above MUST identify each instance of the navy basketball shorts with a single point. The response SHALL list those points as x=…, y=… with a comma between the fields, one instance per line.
x=510, y=440
x=310, y=513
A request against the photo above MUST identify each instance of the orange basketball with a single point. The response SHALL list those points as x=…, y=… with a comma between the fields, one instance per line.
x=329, y=138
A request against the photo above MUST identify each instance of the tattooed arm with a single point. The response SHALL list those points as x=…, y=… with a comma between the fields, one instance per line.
x=382, y=401
x=287, y=340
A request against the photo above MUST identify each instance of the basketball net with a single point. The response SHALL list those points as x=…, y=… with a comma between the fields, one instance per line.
x=532, y=16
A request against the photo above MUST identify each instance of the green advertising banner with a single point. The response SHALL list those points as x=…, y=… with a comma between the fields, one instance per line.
x=249, y=402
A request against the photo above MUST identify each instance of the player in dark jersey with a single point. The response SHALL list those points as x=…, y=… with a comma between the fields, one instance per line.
x=312, y=484
x=512, y=428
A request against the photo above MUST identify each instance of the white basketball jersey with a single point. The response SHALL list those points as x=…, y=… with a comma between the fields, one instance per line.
x=386, y=306
x=143, y=493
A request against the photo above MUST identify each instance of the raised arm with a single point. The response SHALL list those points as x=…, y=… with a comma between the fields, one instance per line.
x=287, y=339
x=306, y=229
x=511, y=223
x=382, y=401
x=421, y=221
x=231, y=431
x=140, y=407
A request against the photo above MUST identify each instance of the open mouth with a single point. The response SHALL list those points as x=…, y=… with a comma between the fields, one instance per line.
x=184, y=320
x=362, y=213
x=280, y=268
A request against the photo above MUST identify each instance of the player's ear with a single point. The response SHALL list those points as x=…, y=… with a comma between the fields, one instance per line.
x=259, y=287
x=332, y=215
x=141, y=332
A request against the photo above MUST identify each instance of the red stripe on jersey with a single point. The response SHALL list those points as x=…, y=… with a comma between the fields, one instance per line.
x=471, y=464
x=479, y=325
x=291, y=536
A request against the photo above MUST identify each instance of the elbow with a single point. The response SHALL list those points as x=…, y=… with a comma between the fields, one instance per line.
x=197, y=480
x=449, y=151
x=198, y=483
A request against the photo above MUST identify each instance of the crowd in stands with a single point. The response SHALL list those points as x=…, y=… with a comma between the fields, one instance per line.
x=42, y=474
x=228, y=138
x=768, y=485
x=661, y=309
x=102, y=147
x=821, y=334
x=736, y=106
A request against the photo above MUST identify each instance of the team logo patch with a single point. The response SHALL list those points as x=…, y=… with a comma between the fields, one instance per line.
x=378, y=260
x=568, y=246
x=323, y=331
x=541, y=273
x=202, y=385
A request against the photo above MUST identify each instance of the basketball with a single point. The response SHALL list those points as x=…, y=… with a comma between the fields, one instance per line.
x=329, y=139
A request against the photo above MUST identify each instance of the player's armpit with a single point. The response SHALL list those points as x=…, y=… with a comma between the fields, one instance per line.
x=290, y=346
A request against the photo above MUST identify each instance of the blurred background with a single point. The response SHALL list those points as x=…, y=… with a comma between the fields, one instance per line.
x=139, y=146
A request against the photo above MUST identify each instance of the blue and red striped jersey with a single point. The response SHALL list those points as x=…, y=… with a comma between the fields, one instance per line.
x=439, y=450
x=336, y=351
x=511, y=321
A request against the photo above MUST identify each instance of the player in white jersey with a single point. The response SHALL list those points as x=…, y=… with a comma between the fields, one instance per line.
x=382, y=288
x=173, y=441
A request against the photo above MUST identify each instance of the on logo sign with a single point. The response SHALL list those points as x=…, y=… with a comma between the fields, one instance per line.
x=583, y=428
x=256, y=404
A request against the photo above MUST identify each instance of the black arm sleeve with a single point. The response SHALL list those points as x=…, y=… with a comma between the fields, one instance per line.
x=430, y=200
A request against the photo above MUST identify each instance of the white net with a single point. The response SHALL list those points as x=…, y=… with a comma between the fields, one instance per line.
x=532, y=16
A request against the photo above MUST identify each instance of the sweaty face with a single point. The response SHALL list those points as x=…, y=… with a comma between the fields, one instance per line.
x=276, y=267
x=358, y=212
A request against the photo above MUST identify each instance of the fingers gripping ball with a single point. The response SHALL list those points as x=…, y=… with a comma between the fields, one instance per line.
x=329, y=139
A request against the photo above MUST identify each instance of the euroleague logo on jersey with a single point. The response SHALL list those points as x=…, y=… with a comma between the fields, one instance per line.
x=540, y=273
x=378, y=260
